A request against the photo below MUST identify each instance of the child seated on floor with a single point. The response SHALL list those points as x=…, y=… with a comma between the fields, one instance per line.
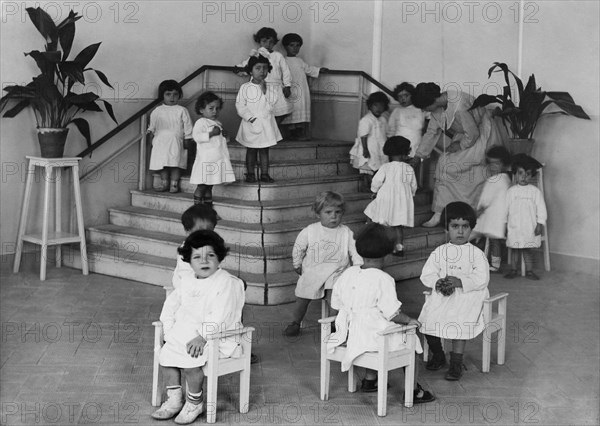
x=367, y=302
x=211, y=301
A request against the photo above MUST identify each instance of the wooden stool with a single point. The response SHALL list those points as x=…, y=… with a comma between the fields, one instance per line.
x=57, y=237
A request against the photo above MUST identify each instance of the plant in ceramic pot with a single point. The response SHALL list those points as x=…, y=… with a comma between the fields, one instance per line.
x=521, y=120
x=50, y=94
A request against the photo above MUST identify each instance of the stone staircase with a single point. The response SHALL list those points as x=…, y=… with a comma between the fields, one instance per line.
x=259, y=222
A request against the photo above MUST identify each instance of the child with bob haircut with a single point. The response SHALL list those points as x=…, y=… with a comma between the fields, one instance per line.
x=458, y=274
x=367, y=302
x=211, y=301
x=526, y=215
x=321, y=252
x=407, y=120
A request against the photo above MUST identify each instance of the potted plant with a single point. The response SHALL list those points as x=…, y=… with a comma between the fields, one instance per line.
x=521, y=120
x=50, y=94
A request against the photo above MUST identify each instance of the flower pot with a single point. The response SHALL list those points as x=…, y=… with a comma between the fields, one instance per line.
x=52, y=142
x=520, y=146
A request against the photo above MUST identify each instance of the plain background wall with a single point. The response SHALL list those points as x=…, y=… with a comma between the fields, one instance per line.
x=452, y=43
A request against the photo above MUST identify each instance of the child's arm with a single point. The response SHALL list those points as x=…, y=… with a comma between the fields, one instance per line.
x=430, y=138
x=241, y=106
x=299, y=250
x=479, y=276
x=364, y=128
x=541, y=213
x=354, y=256
x=413, y=181
x=377, y=181
x=152, y=125
x=286, y=77
x=170, y=308
x=183, y=270
x=432, y=270
x=402, y=318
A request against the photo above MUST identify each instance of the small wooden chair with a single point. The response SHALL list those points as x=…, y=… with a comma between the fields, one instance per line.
x=215, y=367
x=495, y=322
x=383, y=361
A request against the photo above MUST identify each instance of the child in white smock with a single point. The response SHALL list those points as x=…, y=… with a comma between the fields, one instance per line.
x=407, y=120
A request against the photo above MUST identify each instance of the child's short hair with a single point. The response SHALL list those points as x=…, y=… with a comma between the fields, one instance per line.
x=328, y=198
x=525, y=162
x=373, y=242
x=498, y=152
x=200, y=239
x=425, y=94
x=206, y=98
x=266, y=32
x=198, y=212
x=290, y=38
x=458, y=210
x=404, y=87
x=396, y=145
x=167, y=86
x=258, y=59
x=378, y=97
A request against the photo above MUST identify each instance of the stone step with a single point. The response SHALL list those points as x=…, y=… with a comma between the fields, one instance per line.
x=309, y=150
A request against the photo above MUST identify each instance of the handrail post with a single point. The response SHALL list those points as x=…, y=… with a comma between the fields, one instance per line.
x=142, y=160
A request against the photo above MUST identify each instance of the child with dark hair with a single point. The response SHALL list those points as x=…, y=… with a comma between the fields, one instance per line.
x=212, y=165
x=458, y=274
x=170, y=124
x=209, y=302
x=406, y=120
x=367, y=302
x=491, y=208
x=395, y=184
x=526, y=215
x=367, y=153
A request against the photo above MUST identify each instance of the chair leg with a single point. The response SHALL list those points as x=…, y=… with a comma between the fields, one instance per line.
x=351, y=380
x=409, y=382
x=487, y=349
x=425, y=349
x=502, y=332
x=546, y=254
x=212, y=381
x=382, y=381
x=325, y=372
x=156, y=394
x=244, y=390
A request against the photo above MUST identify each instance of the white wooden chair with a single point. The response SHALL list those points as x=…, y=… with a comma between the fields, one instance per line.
x=382, y=361
x=495, y=322
x=215, y=367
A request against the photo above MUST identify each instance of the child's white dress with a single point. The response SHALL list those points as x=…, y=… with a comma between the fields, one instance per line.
x=367, y=301
x=300, y=98
x=408, y=122
x=170, y=125
x=323, y=254
x=460, y=315
x=492, y=222
x=251, y=102
x=395, y=185
x=375, y=130
x=212, y=165
x=201, y=307
x=526, y=208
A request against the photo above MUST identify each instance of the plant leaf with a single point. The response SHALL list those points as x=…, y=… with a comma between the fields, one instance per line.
x=568, y=108
x=81, y=99
x=102, y=77
x=109, y=109
x=84, y=128
x=66, y=35
x=73, y=70
x=86, y=55
x=46, y=61
x=44, y=24
x=484, y=100
x=17, y=108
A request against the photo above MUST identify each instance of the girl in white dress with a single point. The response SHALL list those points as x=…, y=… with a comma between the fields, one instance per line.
x=212, y=165
x=209, y=302
x=395, y=185
x=169, y=125
x=367, y=154
x=321, y=252
x=491, y=208
x=258, y=129
x=526, y=215
x=367, y=302
x=407, y=120
x=458, y=274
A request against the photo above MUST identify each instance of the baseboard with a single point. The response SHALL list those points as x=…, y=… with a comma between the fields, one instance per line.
x=568, y=263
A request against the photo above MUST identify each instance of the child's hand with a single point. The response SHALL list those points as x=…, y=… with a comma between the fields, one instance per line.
x=216, y=131
x=195, y=347
x=224, y=133
x=454, y=281
x=539, y=228
x=444, y=287
x=287, y=91
x=298, y=270
x=366, y=153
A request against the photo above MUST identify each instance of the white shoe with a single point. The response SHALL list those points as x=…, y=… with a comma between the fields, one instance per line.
x=434, y=221
x=189, y=413
x=171, y=406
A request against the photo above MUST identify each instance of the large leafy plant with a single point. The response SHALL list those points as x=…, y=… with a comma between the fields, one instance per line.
x=50, y=94
x=522, y=119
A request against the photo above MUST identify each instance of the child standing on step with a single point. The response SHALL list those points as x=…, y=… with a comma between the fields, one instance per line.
x=212, y=165
x=170, y=124
x=367, y=154
x=258, y=130
x=458, y=274
x=367, y=302
x=211, y=301
x=526, y=215
x=395, y=184
x=491, y=208
x=321, y=253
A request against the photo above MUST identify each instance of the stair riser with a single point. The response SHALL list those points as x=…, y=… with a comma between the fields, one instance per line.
x=281, y=153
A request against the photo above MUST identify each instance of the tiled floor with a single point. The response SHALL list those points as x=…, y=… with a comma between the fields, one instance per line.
x=78, y=350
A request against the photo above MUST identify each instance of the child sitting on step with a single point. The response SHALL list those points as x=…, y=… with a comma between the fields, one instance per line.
x=367, y=302
x=458, y=274
x=321, y=252
x=210, y=301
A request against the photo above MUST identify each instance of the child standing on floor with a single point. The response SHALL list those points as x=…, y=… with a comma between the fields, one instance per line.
x=526, y=215
x=258, y=129
x=367, y=153
x=211, y=301
x=212, y=165
x=170, y=124
x=458, y=274
x=367, y=302
x=298, y=122
x=321, y=252
x=491, y=208
x=395, y=184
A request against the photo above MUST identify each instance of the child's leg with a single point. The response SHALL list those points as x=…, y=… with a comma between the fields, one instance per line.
x=438, y=360
x=514, y=260
x=208, y=195
x=305, y=131
x=456, y=360
x=194, y=402
x=200, y=193
x=174, y=402
x=175, y=175
x=164, y=180
x=399, y=246
x=495, y=254
x=251, y=157
x=264, y=165
x=528, y=259
x=171, y=376
x=300, y=307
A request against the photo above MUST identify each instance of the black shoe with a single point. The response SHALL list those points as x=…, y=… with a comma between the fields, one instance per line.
x=254, y=358
x=369, y=385
x=292, y=330
x=456, y=367
x=437, y=361
x=266, y=178
x=421, y=396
